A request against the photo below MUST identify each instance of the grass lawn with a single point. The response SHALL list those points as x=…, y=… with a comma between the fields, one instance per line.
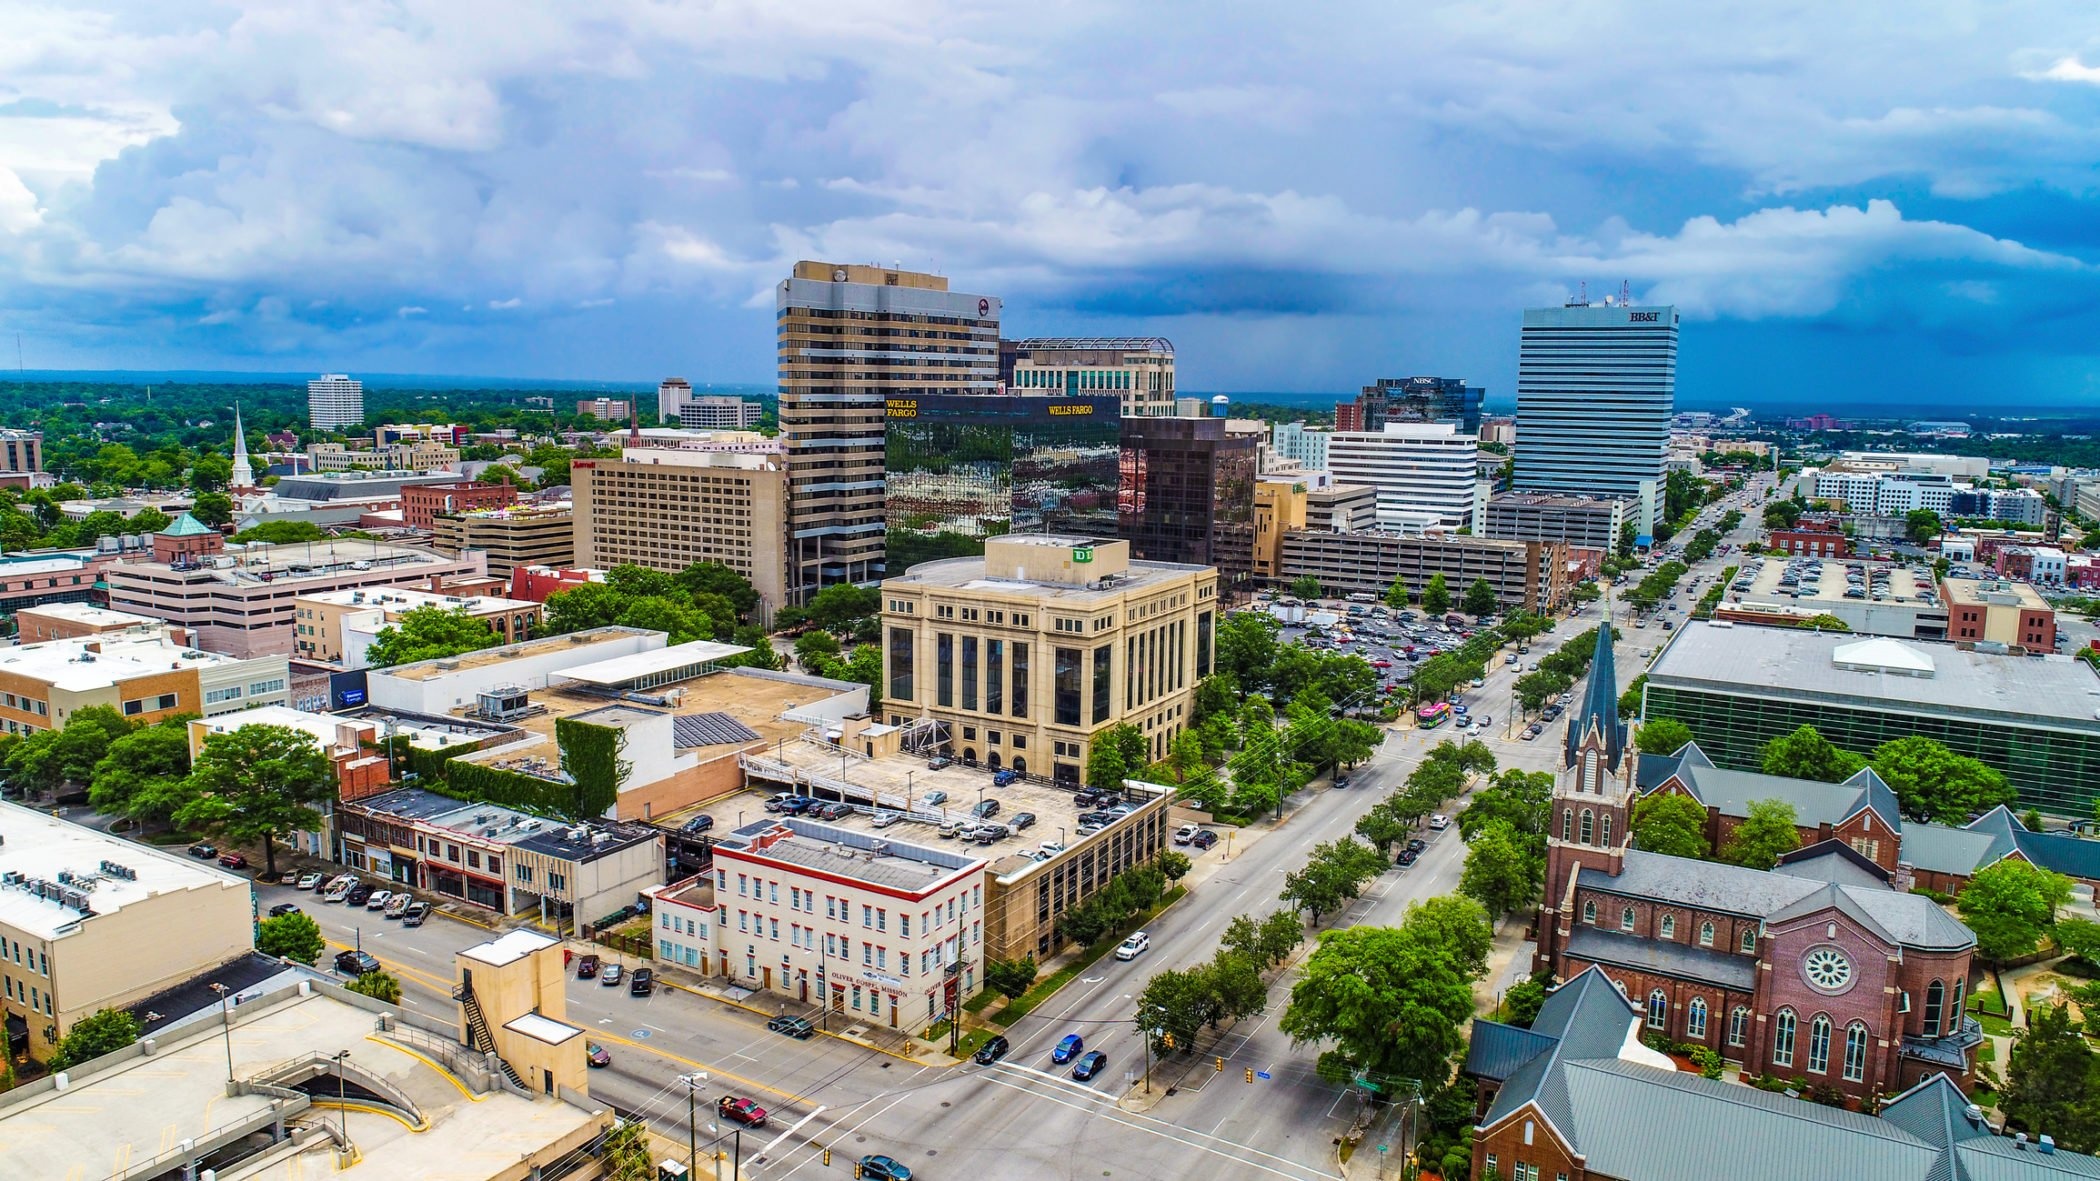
x=1994, y=1025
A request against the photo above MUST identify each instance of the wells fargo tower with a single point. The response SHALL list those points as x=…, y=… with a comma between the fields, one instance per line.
x=852, y=339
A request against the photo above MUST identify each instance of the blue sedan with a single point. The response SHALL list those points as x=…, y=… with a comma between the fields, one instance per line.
x=1067, y=1048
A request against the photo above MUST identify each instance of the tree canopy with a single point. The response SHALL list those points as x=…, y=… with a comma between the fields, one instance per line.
x=430, y=632
x=1436, y=595
x=144, y=774
x=2010, y=904
x=1806, y=754
x=1933, y=783
x=292, y=936
x=1662, y=736
x=1392, y=1001
x=256, y=783
x=2052, y=1081
x=1769, y=831
x=1480, y=599
x=1671, y=824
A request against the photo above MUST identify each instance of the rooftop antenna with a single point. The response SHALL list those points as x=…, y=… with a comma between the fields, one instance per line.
x=1582, y=291
x=1625, y=293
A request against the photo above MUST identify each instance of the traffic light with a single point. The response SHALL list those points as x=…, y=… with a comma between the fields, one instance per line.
x=1167, y=1040
x=1250, y=1074
x=1221, y=1065
x=827, y=1158
x=856, y=1171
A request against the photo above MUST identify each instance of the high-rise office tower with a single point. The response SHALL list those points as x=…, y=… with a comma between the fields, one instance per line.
x=1596, y=384
x=334, y=401
x=1139, y=370
x=853, y=340
x=1185, y=493
x=1413, y=400
x=1427, y=474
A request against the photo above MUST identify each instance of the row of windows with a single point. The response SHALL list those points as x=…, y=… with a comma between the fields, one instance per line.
x=1667, y=928
x=38, y=999
x=1819, y=1030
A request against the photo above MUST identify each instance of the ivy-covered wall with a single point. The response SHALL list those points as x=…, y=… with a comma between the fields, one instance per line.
x=591, y=755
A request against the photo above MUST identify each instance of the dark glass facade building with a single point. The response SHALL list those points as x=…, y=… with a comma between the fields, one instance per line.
x=961, y=468
x=1413, y=399
x=1185, y=493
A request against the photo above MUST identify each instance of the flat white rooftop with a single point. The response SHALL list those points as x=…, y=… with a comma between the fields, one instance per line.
x=510, y=948
x=39, y=847
x=407, y=599
x=86, y=663
x=621, y=670
x=91, y=616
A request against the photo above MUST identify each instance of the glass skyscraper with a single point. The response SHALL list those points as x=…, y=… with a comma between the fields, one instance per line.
x=1596, y=385
x=961, y=468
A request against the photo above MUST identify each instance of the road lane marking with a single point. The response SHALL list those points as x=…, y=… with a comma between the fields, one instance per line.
x=1241, y=1152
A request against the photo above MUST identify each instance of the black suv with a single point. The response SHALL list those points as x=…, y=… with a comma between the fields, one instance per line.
x=358, y=894
x=985, y=809
x=991, y=1051
x=355, y=963
x=832, y=811
x=642, y=983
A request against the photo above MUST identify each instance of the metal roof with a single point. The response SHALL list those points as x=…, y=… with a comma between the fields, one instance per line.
x=709, y=729
x=1150, y=344
x=1685, y=961
x=624, y=670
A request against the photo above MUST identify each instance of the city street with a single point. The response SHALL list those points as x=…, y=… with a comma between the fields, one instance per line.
x=1024, y=1117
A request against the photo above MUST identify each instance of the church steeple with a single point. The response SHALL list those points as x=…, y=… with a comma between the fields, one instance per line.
x=243, y=472
x=1596, y=724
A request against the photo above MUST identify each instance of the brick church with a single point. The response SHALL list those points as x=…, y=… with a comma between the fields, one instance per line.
x=1818, y=970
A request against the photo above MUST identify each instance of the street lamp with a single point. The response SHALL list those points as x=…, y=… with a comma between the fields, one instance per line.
x=226, y=1023
x=342, y=1106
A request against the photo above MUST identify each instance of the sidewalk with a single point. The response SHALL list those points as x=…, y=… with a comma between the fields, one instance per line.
x=845, y=1026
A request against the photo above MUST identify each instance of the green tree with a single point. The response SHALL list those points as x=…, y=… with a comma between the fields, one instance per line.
x=816, y=649
x=1631, y=700
x=1175, y=1004
x=1306, y=587
x=282, y=533
x=1460, y=924
x=1011, y=978
x=46, y=761
x=1521, y=1004
x=839, y=606
x=1397, y=596
x=761, y=653
x=142, y=774
x=1174, y=863
x=2009, y=904
x=1391, y=1000
x=1436, y=597
x=1520, y=799
x=104, y=1031
x=429, y=632
x=1921, y=525
x=627, y=1155
x=1246, y=648
x=1120, y=752
x=1236, y=987
x=213, y=508
x=1806, y=754
x=292, y=936
x=1215, y=694
x=1671, y=824
x=1933, y=783
x=1765, y=834
x=1480, y=599
x=1499, y=873
x=1824, y=623
x=714, y=578
x=255, y=783
x=1334, y=874
x=1663, y=736
x=2051, y=1080
x=380, y=986
x=1268, y=941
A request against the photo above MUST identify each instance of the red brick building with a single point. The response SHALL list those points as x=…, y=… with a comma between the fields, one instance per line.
x=1811, y=541
x=1821, y=969
x=535, y=583
x=421, y=503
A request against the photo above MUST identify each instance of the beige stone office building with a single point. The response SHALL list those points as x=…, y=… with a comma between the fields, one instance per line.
x=89, y=922
x=1026, y=653
x=666, y=509
x=852, y=338
x=338, y=627
x=1139, y=370
x=512, y=536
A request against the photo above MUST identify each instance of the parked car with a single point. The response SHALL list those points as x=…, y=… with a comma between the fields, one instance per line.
x=1003, y=778
x=952, y=828
x=938, y=762
x=1085, y=799
x=642, y=983
x=1089, y=1065
x=415, y=914
x=697, y=824
x=798, y=806
x=355, y=963
x=1134, y=946
x=233, y=860
x=1203, y=839
x=1185, y=834
x=358, y=893
x=799, y=1028
x=934, y=799
x=883, y=1168
x=885, y=819
x=595, y=1054
x=1406, y=858
x=1440, y=821
x=991, y=1051
x=339, y=888
x=378, y=899
x=203, y=851
x=741, y=1111
x=1022, y=820
x=1050, y=848
x=1067, y=1048
x=587, y=967
x=985, y=809
x=1087, y=830
x=1341, y=781
x=610, y=974
x=1417, y=844
x=832, y=811
x=308, y=881
x=283, y=908
x=779, y=802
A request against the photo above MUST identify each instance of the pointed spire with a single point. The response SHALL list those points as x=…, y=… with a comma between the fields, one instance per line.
x=1600, y=704
x=243, y=472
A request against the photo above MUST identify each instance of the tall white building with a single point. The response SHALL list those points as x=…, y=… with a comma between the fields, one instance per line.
x=334, y=401
x=1596, y=386
x=1425, y=474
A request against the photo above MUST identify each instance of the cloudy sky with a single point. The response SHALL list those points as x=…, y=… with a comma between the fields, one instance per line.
x=1849, y=201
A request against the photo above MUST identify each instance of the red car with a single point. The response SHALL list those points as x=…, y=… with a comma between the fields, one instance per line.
x=742, y=1111
x=233, y=861
x=1381, y=664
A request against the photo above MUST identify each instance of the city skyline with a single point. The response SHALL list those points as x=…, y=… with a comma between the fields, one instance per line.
x=1895, y=215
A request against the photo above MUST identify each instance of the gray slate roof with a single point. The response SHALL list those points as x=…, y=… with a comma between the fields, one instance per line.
x=1911, y=919
x=1630, y=1119
x=1686, y=961
x=1600, y=706
x=1732, y=792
